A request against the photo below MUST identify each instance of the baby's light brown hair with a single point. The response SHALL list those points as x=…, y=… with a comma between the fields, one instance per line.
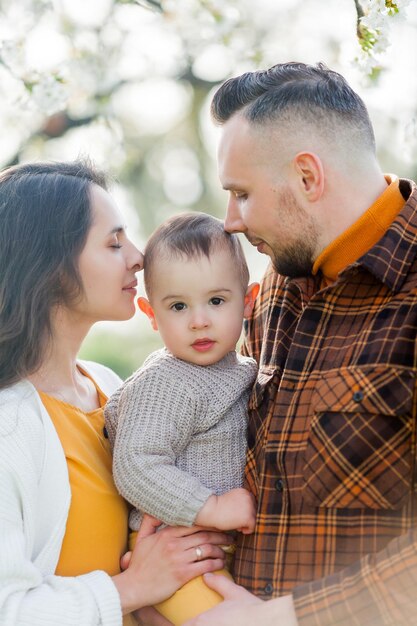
x=191, y=236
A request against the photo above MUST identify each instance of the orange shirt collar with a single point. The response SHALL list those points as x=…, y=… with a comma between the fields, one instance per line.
x=362, y=235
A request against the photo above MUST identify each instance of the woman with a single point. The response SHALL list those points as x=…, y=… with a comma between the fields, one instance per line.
x=66, y=263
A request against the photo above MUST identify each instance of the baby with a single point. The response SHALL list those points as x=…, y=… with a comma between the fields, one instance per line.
x=178, y=425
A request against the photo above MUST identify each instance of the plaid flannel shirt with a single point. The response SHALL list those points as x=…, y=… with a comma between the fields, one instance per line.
x=332, y=438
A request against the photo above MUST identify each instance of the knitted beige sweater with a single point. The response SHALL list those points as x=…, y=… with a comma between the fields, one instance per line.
x=178, y=433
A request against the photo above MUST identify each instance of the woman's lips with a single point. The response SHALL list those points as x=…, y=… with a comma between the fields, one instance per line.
x=203, y=345
x=131, y=287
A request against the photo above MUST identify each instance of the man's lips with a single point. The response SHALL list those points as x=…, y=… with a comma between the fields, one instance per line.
x=253, y=241
x=202, y=345
x=257, y=243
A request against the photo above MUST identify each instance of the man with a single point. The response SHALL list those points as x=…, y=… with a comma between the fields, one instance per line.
x=332, y=432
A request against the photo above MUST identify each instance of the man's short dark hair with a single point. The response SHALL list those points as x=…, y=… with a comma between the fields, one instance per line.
x=192, y=235
x=310, y=93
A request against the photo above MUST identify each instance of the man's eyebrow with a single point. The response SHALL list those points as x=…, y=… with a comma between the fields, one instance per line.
x=233, y=186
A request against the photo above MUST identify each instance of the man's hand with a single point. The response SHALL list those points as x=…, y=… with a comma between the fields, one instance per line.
x=148, y=616
x=243, y=608
x=232, y=510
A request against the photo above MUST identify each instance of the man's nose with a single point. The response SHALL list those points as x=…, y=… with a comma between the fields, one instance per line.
x=233, y=222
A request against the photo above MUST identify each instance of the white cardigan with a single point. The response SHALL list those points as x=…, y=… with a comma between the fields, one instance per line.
x=34, y=503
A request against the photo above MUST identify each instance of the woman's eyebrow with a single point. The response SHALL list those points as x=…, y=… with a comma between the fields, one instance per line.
x=117, y=229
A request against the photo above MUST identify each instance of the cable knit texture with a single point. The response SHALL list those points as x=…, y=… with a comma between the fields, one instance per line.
x=178, y=432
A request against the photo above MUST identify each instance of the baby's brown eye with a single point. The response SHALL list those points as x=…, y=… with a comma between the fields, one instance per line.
x=178, y=306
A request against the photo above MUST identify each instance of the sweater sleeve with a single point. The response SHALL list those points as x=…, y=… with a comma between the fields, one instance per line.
x=154, y=425
x=29, y=595
x=29, y=599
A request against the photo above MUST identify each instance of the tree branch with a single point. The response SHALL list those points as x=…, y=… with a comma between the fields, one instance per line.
x=359, y=13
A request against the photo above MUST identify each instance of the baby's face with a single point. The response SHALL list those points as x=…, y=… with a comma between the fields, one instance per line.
x=198, y=306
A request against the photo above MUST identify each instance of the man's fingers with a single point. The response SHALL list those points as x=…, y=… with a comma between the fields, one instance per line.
x=224, y=586
x=150, y=617
x=246, y=530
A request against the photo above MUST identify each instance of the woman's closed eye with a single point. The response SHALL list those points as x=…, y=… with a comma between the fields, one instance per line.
x=116, y=243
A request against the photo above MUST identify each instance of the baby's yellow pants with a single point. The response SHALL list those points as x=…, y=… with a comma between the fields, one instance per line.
x=191, y=600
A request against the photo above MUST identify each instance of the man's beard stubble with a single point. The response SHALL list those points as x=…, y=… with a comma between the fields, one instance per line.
x=295, y=259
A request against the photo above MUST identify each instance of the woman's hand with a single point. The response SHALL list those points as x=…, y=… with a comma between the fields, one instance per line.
x=164, y=561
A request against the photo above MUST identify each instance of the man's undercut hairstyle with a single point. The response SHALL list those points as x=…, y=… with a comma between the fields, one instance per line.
x=291, y=93
x=192, y=236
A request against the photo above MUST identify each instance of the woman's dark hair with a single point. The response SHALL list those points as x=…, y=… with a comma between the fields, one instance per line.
x=45, y=217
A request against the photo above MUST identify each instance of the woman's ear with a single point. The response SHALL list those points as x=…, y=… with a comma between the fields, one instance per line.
x=250, y=297
x=309, y=169
x=146, y=308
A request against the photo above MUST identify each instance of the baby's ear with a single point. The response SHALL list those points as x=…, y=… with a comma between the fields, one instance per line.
x=146, y=308
x=250, y=297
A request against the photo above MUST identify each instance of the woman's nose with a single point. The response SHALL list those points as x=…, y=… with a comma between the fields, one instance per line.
x=135, y=260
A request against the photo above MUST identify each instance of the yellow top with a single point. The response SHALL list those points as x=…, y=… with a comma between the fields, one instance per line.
x=97, y=526
x=362, y=235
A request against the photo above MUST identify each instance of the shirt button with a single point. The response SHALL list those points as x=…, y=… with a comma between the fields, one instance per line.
x=279, y=484
x=358, y=396
x=268, y=589
x=105, y=433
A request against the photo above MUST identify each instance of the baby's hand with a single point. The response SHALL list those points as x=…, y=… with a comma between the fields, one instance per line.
x=233, y=510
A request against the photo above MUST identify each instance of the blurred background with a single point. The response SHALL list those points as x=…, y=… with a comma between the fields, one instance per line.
x=129, y=83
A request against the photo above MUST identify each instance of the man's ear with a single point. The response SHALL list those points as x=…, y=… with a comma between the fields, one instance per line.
x=146, y=308
x=250, y=297
x=309, y=169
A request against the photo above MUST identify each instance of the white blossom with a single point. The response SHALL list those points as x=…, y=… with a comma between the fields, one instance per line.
x=49, y=94
x=234, y=32
x=375, y=28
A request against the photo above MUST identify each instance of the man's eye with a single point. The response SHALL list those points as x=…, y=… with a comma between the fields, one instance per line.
x=178, y=306
x=216, y=301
